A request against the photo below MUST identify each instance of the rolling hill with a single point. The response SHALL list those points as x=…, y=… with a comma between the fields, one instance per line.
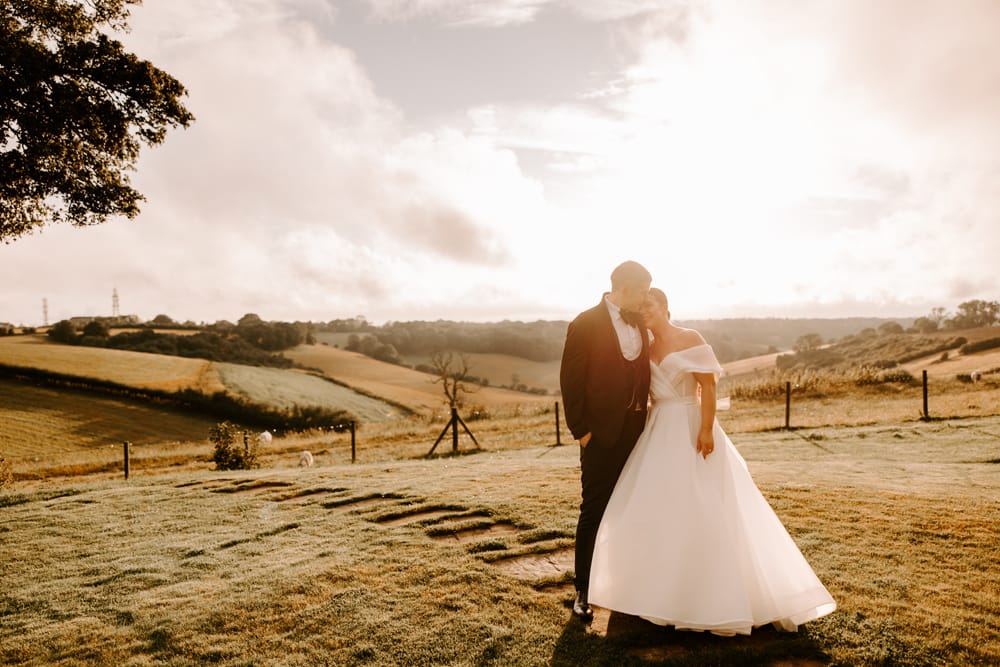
x=273, y=388
x=405, y=386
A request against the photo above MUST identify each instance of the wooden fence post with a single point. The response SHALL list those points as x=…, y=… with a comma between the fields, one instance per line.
x=926, y=413
x=558, y=442
x=353, y=450
x=125, y=446
x=788, y=404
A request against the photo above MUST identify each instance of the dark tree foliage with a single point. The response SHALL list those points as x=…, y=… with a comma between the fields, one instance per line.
x=96, y=329
x=203, y=345
x=273, y=336
x=63, y=331
x=975, y=313
x=75, y=108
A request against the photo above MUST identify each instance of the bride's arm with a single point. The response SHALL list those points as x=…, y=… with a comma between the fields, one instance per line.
x=706, y=439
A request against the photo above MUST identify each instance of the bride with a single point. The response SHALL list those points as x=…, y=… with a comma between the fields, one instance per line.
x=687, y=539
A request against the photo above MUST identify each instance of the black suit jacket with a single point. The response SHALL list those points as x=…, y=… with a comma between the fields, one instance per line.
x=594, y=377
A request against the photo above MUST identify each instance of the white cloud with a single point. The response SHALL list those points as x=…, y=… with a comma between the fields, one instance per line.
x=491, y=13
x=760, y=157
x=775, y=154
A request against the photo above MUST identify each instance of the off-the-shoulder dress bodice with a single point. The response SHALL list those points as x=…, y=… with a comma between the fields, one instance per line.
x=673, y=377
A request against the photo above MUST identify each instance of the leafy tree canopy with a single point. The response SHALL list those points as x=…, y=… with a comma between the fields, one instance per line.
x=74, y=109
x=975, y=313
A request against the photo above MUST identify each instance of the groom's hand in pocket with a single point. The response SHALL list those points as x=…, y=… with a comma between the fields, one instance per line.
x=585, y=439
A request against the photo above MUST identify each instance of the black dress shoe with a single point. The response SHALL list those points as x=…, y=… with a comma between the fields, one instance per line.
x=581, y=609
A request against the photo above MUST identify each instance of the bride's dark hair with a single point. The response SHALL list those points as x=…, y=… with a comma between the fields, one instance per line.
x=660, y=298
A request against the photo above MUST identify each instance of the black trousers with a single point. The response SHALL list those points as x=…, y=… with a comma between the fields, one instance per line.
x=600, y=465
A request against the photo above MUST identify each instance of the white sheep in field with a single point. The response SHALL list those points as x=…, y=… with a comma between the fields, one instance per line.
x=305, y=459
x=264, y=438
x=976, y=376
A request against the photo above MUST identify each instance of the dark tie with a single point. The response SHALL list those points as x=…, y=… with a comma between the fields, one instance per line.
x=632, y=318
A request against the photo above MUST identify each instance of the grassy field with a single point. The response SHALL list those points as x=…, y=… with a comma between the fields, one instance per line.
x=133, y=369
x=284, y=388
x=399, y=384
x=49, y=427
x=271, y=387
x=503, y=369
x=465, y=560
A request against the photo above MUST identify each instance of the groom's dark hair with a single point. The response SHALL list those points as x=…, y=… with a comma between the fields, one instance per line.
x=630, y=274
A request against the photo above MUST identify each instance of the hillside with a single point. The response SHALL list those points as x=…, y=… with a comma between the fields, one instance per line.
x=882, y=350
x=402, y=385
x=132, y=369
x=542, y=341
x=54, y=425
x=276, y=389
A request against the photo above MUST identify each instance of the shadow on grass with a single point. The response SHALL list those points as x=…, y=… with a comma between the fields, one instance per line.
x=629, y=640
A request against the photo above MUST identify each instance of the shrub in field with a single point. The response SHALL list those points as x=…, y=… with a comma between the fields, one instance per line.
x=979, y=346
x=232, y=450
x=478, y=411
x=63, y=331
x=866, y=375
x=949, y=344
x=6, y=473
x=772, y=387
x=897, y=376
x=96, y=329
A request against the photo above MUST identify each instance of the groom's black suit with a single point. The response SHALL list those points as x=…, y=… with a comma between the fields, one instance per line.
x=605, y=395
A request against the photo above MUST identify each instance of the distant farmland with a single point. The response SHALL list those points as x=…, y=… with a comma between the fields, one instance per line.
x=274, y=388
x=132, y=369
x=400, y=384
x=38, y=421
x=285, y=388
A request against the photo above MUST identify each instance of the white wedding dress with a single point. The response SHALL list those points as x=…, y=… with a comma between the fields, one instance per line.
x=691, y=542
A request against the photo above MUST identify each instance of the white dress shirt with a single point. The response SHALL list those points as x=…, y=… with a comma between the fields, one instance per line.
x=629, y=336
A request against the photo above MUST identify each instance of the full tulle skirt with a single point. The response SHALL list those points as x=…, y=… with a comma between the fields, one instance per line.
x=692, y=543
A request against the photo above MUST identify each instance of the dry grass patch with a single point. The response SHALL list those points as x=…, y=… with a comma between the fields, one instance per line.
x=838, y=402
x=57, y=426
x=283, y=389
x=898, y=521
x=399, y=384
x=132, y=369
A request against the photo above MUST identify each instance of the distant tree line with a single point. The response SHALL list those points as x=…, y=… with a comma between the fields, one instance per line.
x=968, y=315
x=536, y=341
x=896, y=343
x=251, y=341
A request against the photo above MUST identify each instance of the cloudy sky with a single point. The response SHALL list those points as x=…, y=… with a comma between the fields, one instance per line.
x=495, y=159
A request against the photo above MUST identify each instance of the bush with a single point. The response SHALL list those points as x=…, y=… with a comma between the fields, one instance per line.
x=476, y=412
x=63, y=331
x=979, y=346
x=897, y=375
x=6, y=473
x=96, y=329
x=228, y=454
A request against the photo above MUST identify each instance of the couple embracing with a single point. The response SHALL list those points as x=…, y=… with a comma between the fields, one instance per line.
x=672, y=527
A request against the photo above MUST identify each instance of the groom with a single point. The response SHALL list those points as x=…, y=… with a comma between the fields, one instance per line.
x=604, y=380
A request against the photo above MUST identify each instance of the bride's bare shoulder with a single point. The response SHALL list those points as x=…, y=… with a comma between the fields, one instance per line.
x=689, y=337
